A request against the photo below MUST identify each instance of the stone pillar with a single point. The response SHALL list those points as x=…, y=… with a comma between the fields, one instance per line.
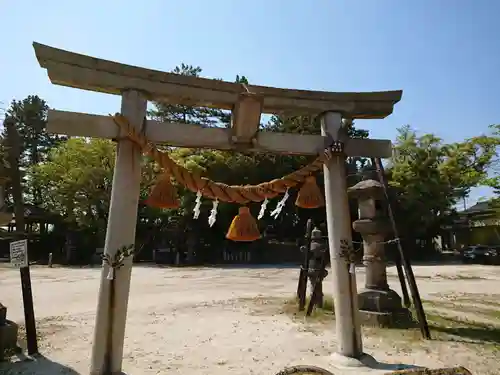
x=122, y=222
x=349, y=344
x=378, y=304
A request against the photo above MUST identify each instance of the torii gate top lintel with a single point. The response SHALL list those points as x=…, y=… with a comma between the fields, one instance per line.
x=90, y=73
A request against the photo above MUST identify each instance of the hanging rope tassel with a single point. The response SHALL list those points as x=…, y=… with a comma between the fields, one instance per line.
x=163, y=194
x=243, y=227
x=309, y=195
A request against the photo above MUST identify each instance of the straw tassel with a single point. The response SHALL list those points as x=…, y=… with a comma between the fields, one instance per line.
x=243, y=227
x=309, y=195
x=163, y=194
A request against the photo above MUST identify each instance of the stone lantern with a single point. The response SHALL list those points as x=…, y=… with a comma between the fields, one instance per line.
x=378, y=304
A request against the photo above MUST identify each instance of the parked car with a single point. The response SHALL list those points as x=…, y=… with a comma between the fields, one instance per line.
x=480, y=254
x=494, y=255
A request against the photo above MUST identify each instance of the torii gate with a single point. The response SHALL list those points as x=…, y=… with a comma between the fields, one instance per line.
x=136, y=86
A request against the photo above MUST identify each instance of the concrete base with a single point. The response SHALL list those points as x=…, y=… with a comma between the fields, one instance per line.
x=395, y=319
x=381, y=300
x=383, y=308
x=8, y=337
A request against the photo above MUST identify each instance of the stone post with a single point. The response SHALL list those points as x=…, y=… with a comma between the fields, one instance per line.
x=378, y=304
x=349, y=344
x=122, y=222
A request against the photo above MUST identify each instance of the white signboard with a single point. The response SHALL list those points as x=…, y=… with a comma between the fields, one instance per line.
x=19, y=253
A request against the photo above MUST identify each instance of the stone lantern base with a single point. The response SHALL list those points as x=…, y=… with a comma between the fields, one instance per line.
x=383, y=308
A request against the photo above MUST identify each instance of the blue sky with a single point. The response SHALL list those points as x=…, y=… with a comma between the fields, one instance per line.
x=443, y=54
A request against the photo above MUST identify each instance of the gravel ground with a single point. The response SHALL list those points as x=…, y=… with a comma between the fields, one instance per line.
x=208, y=320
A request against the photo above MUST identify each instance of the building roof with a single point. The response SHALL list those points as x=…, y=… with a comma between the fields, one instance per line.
x=34, y=212
x=483, y=209
x=479, y=207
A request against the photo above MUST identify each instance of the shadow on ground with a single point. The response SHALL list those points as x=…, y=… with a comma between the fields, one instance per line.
x=470, y=330
x=38, y=365
x=373, y=364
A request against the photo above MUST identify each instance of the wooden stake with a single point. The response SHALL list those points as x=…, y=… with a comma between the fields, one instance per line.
x=316, y=298
x=302, y=285
x=417, y=302
x=397, y=260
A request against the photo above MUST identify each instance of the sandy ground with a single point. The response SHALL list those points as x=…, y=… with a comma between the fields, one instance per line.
x=204, y=320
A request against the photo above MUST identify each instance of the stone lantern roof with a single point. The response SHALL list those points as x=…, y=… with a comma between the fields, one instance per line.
x=366, y=189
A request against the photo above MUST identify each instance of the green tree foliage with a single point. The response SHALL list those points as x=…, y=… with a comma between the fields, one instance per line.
x=493, y=179
x=184, y=114
x=306, y=125
x=30, y=118
x=77, y=179
x=429, y=177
